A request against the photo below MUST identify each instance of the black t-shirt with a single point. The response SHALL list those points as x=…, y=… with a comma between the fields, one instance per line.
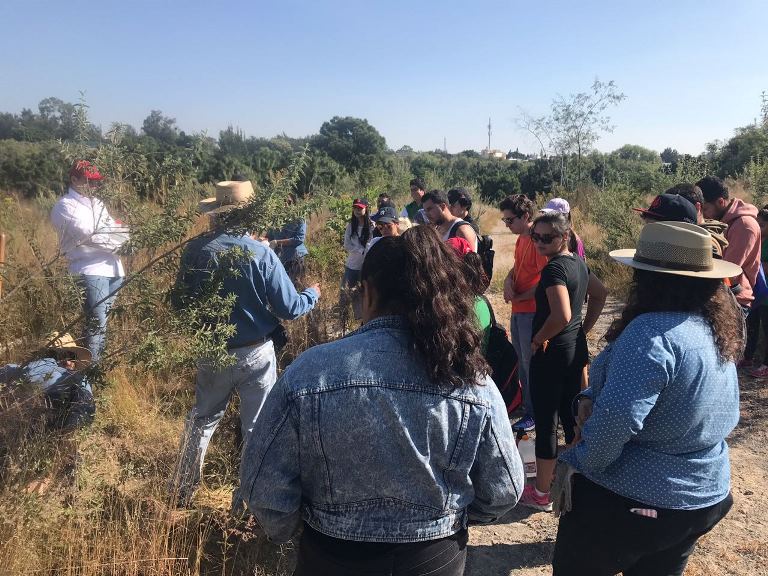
x=569, y=271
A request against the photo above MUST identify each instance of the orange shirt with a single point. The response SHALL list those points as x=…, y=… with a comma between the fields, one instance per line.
x=528, y=266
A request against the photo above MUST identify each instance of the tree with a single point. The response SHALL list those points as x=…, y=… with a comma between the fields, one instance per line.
x=670, y=156
x=161, y=128
x=352, y=142
x=574, y=124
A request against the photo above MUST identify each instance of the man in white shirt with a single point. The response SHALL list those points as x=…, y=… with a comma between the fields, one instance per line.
x=89, y=238
x=438, y=211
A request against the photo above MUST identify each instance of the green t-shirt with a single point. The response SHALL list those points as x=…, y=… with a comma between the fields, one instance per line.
x=483, y=314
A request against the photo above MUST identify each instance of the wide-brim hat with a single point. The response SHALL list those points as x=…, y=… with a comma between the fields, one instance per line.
x=676, y=248
x=229, y=194
x=64, y=342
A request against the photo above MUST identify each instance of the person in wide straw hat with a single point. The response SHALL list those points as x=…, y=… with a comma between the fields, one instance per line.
x=650, y=472
x=57, y=371
x=229, y=194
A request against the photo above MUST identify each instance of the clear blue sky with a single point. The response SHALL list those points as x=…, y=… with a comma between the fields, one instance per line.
x=692, y=70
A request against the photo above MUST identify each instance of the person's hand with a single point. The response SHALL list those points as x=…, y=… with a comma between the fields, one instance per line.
x=316, y=288
x=509, y=294
x=584, y=411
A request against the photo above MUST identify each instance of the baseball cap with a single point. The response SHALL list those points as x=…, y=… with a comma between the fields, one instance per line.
x=460, y=246
x=386, y=214
x=84, y=169
x=670, y=208
x=557, y=205
x=360, y=203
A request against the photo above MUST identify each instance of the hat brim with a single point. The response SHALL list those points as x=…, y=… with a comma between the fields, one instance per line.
x=359, y=205
x=81, y=354
x=720, y=268
x=212, y=206
x=550, y=210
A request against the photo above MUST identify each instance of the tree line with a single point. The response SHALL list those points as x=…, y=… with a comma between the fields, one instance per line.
x=350, y=154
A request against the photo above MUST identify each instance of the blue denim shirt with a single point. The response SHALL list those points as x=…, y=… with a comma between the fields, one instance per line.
x=264, y=291
x=296, y=232
x=356, y=440
x=45, y=374
x=663, y=405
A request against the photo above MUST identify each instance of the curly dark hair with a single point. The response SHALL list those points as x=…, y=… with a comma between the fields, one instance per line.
x=519, y=205
x=475, y=273
x=659, y=292
x=417, y=276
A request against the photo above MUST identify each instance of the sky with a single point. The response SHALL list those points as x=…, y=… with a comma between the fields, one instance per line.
x=424, y=73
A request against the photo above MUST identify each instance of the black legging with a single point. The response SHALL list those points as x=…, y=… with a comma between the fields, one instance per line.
x=757, y=315
x=555, y=381
x=321, y=555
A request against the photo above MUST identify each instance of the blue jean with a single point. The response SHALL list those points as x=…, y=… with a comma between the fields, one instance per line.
x=100, y=294
x=252, y=376
x=521, y=328
x=350, y=291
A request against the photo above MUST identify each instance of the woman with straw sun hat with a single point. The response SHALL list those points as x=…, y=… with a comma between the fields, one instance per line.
x=651, y=472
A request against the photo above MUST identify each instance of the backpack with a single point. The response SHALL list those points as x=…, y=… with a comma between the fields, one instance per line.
x=502, y=358
x=486, y=253
x=484, y=248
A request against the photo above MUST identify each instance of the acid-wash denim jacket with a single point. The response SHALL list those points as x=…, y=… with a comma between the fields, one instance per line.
x=356, y=440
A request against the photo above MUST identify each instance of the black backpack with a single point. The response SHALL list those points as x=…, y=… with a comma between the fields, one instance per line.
x=486, y=253
x=502, y=358
x=484, y=248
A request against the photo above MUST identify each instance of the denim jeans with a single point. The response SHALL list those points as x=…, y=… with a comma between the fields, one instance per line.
x=521, y=328
x=99, y=297
x=252, y=376
x=350, y=291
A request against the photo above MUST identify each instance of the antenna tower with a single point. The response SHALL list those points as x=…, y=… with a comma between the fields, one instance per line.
x=489, y=135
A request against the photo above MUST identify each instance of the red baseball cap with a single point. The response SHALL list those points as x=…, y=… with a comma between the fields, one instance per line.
x=460, y=245
x=84, y=169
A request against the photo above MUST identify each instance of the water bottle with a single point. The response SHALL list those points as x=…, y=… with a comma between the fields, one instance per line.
x=527, y=449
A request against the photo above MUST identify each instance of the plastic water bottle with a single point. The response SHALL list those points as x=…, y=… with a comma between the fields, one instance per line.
x=527, y=449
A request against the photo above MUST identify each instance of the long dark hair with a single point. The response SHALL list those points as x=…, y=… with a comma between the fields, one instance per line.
x=417, y=276
x=365, y=233
x=475, y=273
x=659, y=292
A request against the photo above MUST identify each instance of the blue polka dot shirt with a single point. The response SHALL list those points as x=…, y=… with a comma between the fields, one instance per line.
x=663, y=406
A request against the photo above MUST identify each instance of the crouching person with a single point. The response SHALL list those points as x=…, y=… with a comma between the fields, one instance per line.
x=386, y=444
x=58, y=372
x=264, y=293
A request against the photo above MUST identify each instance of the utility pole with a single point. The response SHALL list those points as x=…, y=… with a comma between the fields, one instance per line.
x=489, y=135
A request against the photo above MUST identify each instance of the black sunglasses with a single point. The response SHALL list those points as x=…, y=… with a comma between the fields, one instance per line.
x=544, y=238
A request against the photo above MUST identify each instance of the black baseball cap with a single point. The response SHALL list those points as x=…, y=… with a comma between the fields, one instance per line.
x=386, y=214
x=670, y=208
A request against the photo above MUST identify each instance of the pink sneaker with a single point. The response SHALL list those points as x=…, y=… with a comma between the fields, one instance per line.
x=532, y=500
x=759, y=372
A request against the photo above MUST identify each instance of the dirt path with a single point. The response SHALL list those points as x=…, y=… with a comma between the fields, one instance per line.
x=522, y=542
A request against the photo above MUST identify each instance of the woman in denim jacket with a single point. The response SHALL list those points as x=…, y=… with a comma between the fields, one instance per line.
x=389, y=442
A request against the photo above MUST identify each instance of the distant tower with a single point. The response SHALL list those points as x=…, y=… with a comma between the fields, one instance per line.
x=489, y=135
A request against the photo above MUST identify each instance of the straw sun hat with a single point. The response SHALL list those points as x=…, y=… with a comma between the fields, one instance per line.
x=65, y=343
x=229, y=194
x=676, y=248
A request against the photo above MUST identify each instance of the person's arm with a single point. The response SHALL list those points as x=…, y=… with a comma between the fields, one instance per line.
x=465, y=231
x=270, y=471
x=296, y=233
x=497, y=473
x=559, y=315
x=630, y=392
x=597, y=293
x=527, y=295
x=509, y=291
x=285, y=302
x=743, y=238
x=350, y=246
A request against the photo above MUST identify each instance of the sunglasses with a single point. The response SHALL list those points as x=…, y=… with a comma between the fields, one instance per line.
x=544, y=238
x=509, y=220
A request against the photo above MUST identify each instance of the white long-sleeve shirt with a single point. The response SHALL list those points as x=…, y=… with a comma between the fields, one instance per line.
x=88, y=235
x=355, y=250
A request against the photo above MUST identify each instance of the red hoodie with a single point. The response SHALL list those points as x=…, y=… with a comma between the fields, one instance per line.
x=743, y=248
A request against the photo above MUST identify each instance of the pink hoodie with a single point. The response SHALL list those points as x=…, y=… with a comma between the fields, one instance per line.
x=743, y=248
